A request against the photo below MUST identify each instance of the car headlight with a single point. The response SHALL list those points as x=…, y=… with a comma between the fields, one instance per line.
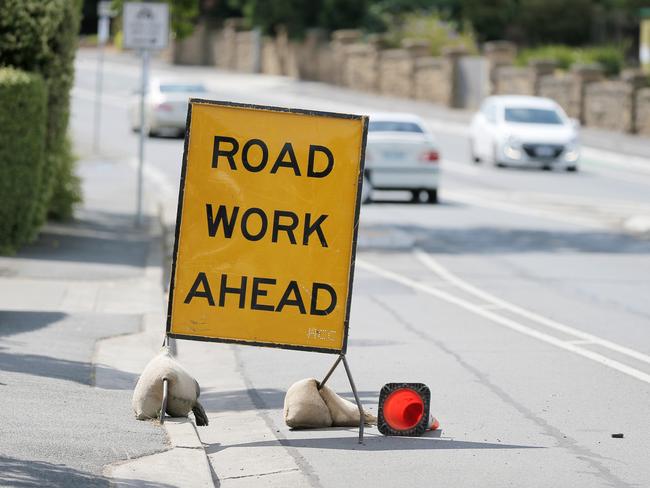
x=513, y=142
x=512, y=148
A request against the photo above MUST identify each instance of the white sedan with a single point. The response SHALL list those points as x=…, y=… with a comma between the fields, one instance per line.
x=524, y=131
x=401, y=154
x=165, y=106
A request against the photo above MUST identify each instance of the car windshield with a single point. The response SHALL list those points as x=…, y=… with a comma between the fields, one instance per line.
x=169, y=88
x=394, y=126
x=522, y=115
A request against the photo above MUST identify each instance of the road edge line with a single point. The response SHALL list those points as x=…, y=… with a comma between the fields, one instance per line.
x=504, y=321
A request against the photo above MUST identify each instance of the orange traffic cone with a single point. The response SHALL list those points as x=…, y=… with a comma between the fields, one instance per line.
x=404, y=410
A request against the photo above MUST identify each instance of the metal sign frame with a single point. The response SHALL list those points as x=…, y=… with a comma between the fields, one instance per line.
x=341, y=354
x=355, y=229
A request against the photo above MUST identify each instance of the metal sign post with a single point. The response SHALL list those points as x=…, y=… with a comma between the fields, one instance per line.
x=146, y=27
x=144, y=129
x=103, y=32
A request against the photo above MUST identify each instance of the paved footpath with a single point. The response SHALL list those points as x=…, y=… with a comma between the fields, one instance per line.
x=65, y=302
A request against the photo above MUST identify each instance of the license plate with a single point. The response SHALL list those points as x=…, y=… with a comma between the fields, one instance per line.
x=544, y=151
x=393, y=155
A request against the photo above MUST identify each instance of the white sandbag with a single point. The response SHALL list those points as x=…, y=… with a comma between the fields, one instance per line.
x=183, y=390
x=343, y=412
x=304, y=408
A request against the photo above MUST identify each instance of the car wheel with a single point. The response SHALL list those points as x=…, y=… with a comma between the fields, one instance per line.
x=572, y=169
x=495, y=158
x=432, y=196
x=415, y=196
x=546, y=167
x=475, y=158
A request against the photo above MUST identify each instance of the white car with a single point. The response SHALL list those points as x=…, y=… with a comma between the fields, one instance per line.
x=524, y=131
x=165, y=106
x=401, y=154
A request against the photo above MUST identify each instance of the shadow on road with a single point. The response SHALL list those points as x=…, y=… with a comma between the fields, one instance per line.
x=372, y=443
x=26, y=321
x=497, y=240
x=93, y=237
x=263, y=399
x=30, y=473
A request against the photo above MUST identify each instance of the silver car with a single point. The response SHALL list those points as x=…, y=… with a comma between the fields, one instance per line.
x=401, y=154
x=165, y=106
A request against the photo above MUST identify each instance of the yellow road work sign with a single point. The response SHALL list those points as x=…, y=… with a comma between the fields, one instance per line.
x=267, y=223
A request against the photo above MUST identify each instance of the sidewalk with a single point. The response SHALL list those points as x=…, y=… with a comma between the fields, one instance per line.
x=66, y=301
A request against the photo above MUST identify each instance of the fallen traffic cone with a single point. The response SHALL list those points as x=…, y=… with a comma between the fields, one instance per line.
x=404, y=410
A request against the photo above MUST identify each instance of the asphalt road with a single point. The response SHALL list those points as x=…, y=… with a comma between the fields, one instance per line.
x=521, y=300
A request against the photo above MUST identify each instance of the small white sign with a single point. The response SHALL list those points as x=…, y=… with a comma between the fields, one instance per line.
x=105, y=9
x=146, y=25
x=103, y=30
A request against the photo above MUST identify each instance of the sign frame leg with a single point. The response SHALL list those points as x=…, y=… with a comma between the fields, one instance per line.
x=342, y=358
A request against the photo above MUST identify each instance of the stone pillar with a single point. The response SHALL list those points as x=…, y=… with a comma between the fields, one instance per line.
x=539, y=68
x=582, y=75
x=309, y=53
x=498, y=53
x=453, y=56
x=636, y=80
x=340, y=39
x=642, y=123
x=229, y=44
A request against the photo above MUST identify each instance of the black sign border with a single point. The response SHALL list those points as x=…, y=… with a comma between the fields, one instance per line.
x=179, y=213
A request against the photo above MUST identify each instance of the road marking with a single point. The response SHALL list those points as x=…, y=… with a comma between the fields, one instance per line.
x=635, y=163
x=468, y=198
x=451, y=278
x=504, y=321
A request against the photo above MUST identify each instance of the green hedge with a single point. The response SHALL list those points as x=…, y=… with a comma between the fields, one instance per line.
x=22, y=143
x=610, y=57
x=40, y=36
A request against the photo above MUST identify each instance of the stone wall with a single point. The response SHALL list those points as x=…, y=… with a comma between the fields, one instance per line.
x=608, y=105
x=338, y=47
x=271, y=64
x=498, y=54
x=613, y=104
x=396, y=73
x=433, y=80
x=560, y=89
x=513, y=80
x=193, y=50
x=409, y=72
x=361, y=66
x=248, y=48
x=643, y=111
x=279, y=56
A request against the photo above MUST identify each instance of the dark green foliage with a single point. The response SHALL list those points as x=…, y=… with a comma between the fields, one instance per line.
x=341, y=14
x=67, y=188
x=41, y=36
x=295, y=15
x=611, y=58
x=22, y=142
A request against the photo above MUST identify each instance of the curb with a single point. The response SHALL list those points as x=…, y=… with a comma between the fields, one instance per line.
x=184, y=465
